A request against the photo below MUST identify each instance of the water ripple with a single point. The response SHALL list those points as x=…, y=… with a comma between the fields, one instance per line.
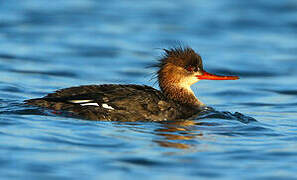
x=251, y=136
x=51, y=73
x=141, y=162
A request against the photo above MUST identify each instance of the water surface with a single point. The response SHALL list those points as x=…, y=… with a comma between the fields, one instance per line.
x=48, y=45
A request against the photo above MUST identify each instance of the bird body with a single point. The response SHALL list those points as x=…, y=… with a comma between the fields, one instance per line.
x=179, y=68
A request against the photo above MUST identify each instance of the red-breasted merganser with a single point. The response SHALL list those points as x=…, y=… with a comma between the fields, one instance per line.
x=179, y=68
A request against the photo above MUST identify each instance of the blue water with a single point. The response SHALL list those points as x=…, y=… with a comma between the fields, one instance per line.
x=47, y=45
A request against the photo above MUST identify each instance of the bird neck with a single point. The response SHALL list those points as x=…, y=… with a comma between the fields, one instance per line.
x=179, y=92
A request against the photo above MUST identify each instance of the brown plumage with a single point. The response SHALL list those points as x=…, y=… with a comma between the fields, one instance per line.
x=179, y=68
x=130, y=103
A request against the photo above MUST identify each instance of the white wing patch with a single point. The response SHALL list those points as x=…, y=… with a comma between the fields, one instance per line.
x=80, y=101
x=106, y=106
x=84, y=102
x=89, y=104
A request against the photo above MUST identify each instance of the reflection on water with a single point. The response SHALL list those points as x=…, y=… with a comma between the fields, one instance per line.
x=176, y=134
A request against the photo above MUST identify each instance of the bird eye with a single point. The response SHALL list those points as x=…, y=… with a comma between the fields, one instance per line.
x=190, y=68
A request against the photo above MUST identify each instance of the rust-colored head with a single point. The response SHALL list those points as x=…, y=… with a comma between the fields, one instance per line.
x=183, y=64
x=181, y=67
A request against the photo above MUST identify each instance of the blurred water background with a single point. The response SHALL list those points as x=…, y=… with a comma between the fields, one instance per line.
x=47, y=45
